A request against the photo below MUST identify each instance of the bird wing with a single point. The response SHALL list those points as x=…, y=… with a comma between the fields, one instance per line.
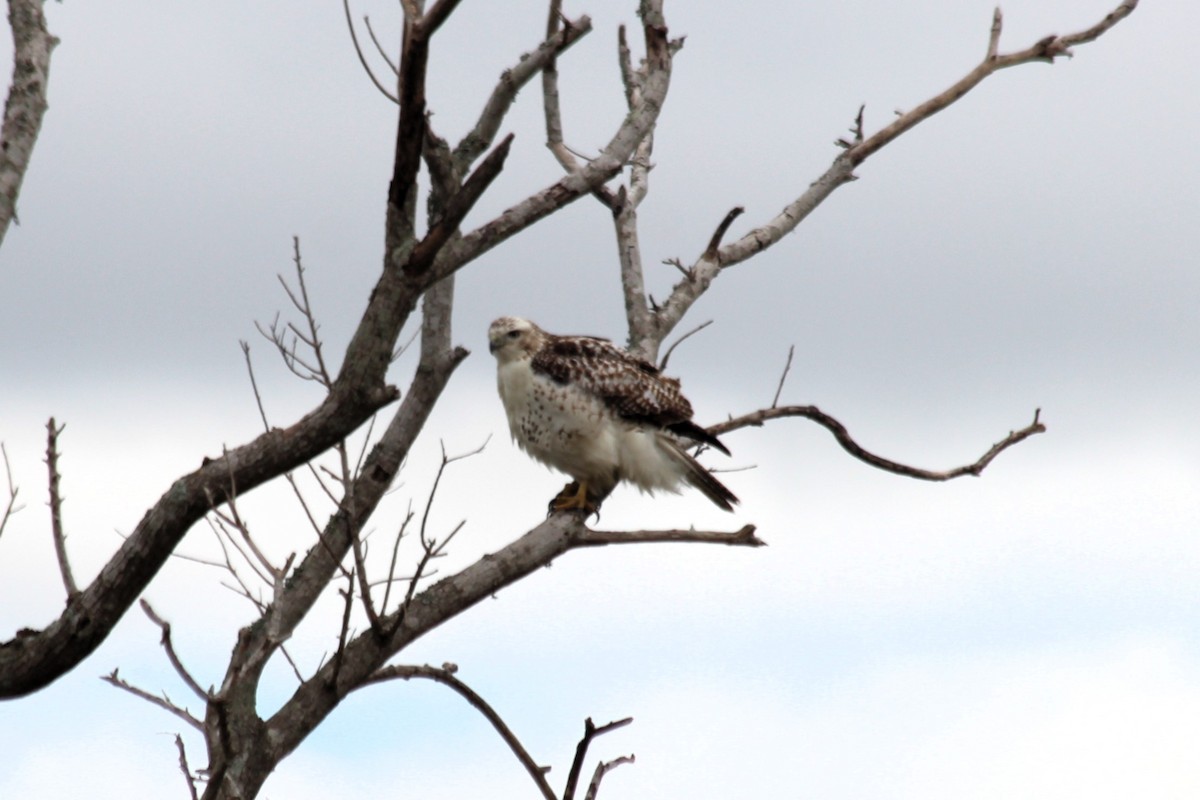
x=631, y=386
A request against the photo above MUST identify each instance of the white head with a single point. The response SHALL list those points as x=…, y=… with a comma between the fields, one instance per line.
x=513, y=338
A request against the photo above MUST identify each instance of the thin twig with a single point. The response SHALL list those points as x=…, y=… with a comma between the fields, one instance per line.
x=262, y=412
x=379, y=47
x=162, y=702
x=432, y=547
x=217, y=526
x=445, y=676
x=387, y=591
x=56, y=526
x=783, y=377
x=662, y=365
x=183, y=766
x=313, y=340
x=265, y=570
x=362, y=59
x=11, y=508
x=348, y=480
x=172, y=656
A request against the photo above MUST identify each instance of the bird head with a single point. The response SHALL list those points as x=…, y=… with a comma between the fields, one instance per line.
x=511, y=338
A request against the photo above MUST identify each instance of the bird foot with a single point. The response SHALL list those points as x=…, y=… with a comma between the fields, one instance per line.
x=575, y=497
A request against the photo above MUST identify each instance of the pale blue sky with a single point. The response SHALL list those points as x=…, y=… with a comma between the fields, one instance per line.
x=1030, y=633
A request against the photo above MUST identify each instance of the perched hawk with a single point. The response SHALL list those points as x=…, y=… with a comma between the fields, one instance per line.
x=585, y=406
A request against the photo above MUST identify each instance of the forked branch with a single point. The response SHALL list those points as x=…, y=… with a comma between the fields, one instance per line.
x=590, y=732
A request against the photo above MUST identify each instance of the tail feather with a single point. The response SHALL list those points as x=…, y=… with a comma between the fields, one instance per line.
x=696, y=474
x=691, y=430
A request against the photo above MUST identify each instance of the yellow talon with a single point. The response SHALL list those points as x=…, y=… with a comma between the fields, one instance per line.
x=574, y=497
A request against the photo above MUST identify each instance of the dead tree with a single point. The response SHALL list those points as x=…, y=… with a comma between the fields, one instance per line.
x=420, y=266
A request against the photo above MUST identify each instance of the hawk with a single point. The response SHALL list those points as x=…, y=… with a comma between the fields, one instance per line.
x=602, y=415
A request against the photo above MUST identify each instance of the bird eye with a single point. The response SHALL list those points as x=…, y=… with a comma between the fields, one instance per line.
x=514, y=334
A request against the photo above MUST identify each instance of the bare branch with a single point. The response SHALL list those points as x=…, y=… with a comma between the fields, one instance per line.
x=602, y=769
x=590, y=731
x=26, y=104
x=662, y=365
x=712, y=252
x=387, y=591
x=258, y=401
x=432, y=548
x=172, y=656
x=757, y=418
x=512, y=81
x=11, y=507
x=183, y=767
x=364, y=588
x=744, y=537
x=162, y=702
x=1046, y=49
x=379, y=48
x=347, y=595
x=434, y=17
x=445, y=676
x=266, y=571
x=56, y=527
x=786, y=367
x=841, y=171
x=994, y=34
x=552, y=110
x=362, y=59
x=313, y=340
x=217, y=525
x=635, y=126
x=457, y=208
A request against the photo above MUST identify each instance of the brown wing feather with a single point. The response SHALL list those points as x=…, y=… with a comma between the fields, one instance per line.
x=632, y=386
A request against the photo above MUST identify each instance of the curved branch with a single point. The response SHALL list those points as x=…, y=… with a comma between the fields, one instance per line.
x=445, y=676
x=26, y=104
x=758, y=418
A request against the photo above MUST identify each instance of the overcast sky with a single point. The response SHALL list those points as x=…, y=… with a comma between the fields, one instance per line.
x=1029, y=633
